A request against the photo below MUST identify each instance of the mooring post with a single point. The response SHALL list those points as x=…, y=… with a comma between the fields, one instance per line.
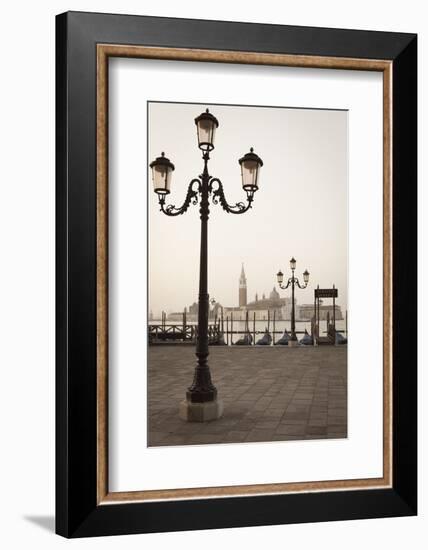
x=254, y=328
x=346, y=323
x=274, y=318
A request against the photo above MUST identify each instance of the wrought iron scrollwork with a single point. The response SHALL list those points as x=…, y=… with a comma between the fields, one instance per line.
x=297, y=282
x=219, y=197
x=191, y=197
x=215, y=188
x=292, y=280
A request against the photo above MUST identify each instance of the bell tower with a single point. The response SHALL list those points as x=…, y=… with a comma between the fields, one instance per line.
x=242, y=288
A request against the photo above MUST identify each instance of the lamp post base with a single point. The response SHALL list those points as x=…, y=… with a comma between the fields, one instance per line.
x=200, y=412
x=293, y=343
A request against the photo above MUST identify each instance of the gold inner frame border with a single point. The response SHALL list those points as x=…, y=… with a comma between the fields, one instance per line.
x=104, y=52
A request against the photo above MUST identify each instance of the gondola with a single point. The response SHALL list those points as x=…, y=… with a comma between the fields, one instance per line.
x=246, y=340
x=307, y=339
x=340, y=340
x=283, y=341
x=219, y=340
x=266, y=339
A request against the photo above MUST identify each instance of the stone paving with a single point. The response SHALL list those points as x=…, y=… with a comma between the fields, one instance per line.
x=269, y=394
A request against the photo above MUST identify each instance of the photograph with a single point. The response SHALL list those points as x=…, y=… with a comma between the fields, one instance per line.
x=247, y=321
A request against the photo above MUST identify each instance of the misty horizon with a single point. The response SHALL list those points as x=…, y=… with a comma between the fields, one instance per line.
x=251, y=296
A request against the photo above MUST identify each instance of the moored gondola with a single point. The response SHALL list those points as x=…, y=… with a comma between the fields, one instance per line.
x=246, y=340
x=307, y=339
x=266, y=339
x=340, y=340
x=283, y=341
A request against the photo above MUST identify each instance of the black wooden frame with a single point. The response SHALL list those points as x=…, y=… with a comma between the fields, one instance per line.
x=77, y=513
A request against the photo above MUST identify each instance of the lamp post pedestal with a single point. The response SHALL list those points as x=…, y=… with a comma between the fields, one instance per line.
x=200, y=412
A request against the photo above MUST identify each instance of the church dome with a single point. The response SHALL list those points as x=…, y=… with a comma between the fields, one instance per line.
x=274, y=295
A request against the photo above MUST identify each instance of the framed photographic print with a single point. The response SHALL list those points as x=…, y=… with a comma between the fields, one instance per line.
x=236, y=230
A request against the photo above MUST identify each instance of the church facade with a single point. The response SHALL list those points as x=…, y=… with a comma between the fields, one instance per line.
x=259, y=308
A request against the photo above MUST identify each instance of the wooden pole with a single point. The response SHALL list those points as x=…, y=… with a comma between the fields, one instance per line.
x=346, y=323
x=231, y=328
x=254, y=328
x=318, y=322
x=274, y=317
x=314, y=330
x=227, y=330
x=334, y=312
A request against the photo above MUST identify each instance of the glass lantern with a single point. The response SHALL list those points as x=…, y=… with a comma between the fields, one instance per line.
x=162, y=170
x=206, y=125
x=250, y=169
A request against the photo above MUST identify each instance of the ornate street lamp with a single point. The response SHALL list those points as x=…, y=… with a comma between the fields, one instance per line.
x=293, y=281
x=201, y=403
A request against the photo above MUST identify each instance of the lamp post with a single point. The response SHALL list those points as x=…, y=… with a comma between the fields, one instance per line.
x=293, y=281
x=201, y=403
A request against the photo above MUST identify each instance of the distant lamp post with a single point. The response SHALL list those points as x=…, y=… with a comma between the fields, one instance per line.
x=201, y=403
x=293, y=281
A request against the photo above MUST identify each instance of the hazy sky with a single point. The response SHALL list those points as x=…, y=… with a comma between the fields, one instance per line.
x=299, y=210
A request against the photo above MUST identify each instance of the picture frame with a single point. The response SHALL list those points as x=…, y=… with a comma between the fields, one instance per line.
x=84, y=44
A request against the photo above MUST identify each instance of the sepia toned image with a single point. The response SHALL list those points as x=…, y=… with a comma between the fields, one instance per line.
x=248, y=274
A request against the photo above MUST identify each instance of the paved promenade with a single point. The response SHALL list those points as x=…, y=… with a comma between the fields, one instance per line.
x=269, y=394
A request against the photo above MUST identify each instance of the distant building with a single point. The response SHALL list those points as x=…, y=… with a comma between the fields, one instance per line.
x=274, y=303
x=192, y=313
x=242, y=288
x=193, y=309
x=258, y=308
